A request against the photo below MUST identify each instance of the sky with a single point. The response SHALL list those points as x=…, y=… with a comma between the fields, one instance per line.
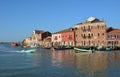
x=18, y=18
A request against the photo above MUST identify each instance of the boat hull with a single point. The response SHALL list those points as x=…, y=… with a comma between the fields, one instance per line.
x=77, y=50
x=29, y=51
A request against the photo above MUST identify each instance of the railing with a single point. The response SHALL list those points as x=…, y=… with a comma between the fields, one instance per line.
x=83, y=29
x=84, y=37
x=89, y=36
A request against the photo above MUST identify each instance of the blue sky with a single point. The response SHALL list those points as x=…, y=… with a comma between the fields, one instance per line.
x=18, y=18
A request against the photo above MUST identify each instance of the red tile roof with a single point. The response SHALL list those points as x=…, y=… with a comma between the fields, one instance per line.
x=114, y=31
x=65, y=30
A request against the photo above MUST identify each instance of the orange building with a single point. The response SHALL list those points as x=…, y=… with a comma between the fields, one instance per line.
x=64, y=37
x=68, y=37
x=91, y=33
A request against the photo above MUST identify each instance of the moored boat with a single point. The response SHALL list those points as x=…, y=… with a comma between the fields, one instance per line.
x=63, y=48
x=77, y=50
x=108, y=49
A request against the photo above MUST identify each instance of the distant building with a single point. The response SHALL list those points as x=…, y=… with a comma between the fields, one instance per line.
x=113, y=37
x=64, y=37
x=91, y=33
x=39, y=35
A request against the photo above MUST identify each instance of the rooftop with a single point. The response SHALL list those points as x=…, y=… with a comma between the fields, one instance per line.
x=65, y=30
x=90, y=20
x=38, y=31
x=113, y=30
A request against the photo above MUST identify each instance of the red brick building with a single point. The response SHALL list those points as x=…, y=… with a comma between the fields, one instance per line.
x=91, y=33
x=113, y=37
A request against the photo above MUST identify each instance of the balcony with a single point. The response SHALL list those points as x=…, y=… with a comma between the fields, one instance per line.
x=83, y=29
x=89, y=36
x=89, y=29
x=84, y=37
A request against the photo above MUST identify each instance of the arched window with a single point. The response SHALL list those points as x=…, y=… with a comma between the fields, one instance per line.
x=84, y=43
x=89, y=42
x=98, y=34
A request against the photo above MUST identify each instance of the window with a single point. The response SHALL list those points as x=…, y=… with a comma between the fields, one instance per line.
x=89, y=42
x=84, y=42
x=89, y=35
x=116, y=42
x=98, y=26
x=59, y=36
x=102, y=27
x=81, y=34
x=84, y=36
x=81, y=27
x=91, y=27
x=98, y=34
x=76, y=35
x=109, y=42
x=103, y=34
x=70, y=37
x=55, y=38
x=92, y=34
x=109, y=36
x=84, y=27
x=116, y=36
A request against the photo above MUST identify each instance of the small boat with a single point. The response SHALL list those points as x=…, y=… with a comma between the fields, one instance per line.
x=108, y=49
x=63, y=48
x=101, y=48
x=82, y=50
x=29, y=51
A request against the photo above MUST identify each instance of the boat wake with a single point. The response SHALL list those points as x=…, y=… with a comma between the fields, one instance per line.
x=18, y=51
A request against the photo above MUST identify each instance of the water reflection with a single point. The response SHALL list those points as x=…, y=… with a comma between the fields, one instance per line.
x=114, y=60
x=42, y=58
x=64, y=58
x=98, y=64
x=91, y=62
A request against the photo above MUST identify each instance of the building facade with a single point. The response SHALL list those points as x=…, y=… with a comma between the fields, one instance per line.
x=68, y=37
x=56, y=39
x=64, y=38
x=91, y=33
x=113, y=37
x=37, y=38
x=39, y=35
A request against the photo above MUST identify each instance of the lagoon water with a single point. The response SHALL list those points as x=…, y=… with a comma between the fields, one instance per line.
x=63, y=63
